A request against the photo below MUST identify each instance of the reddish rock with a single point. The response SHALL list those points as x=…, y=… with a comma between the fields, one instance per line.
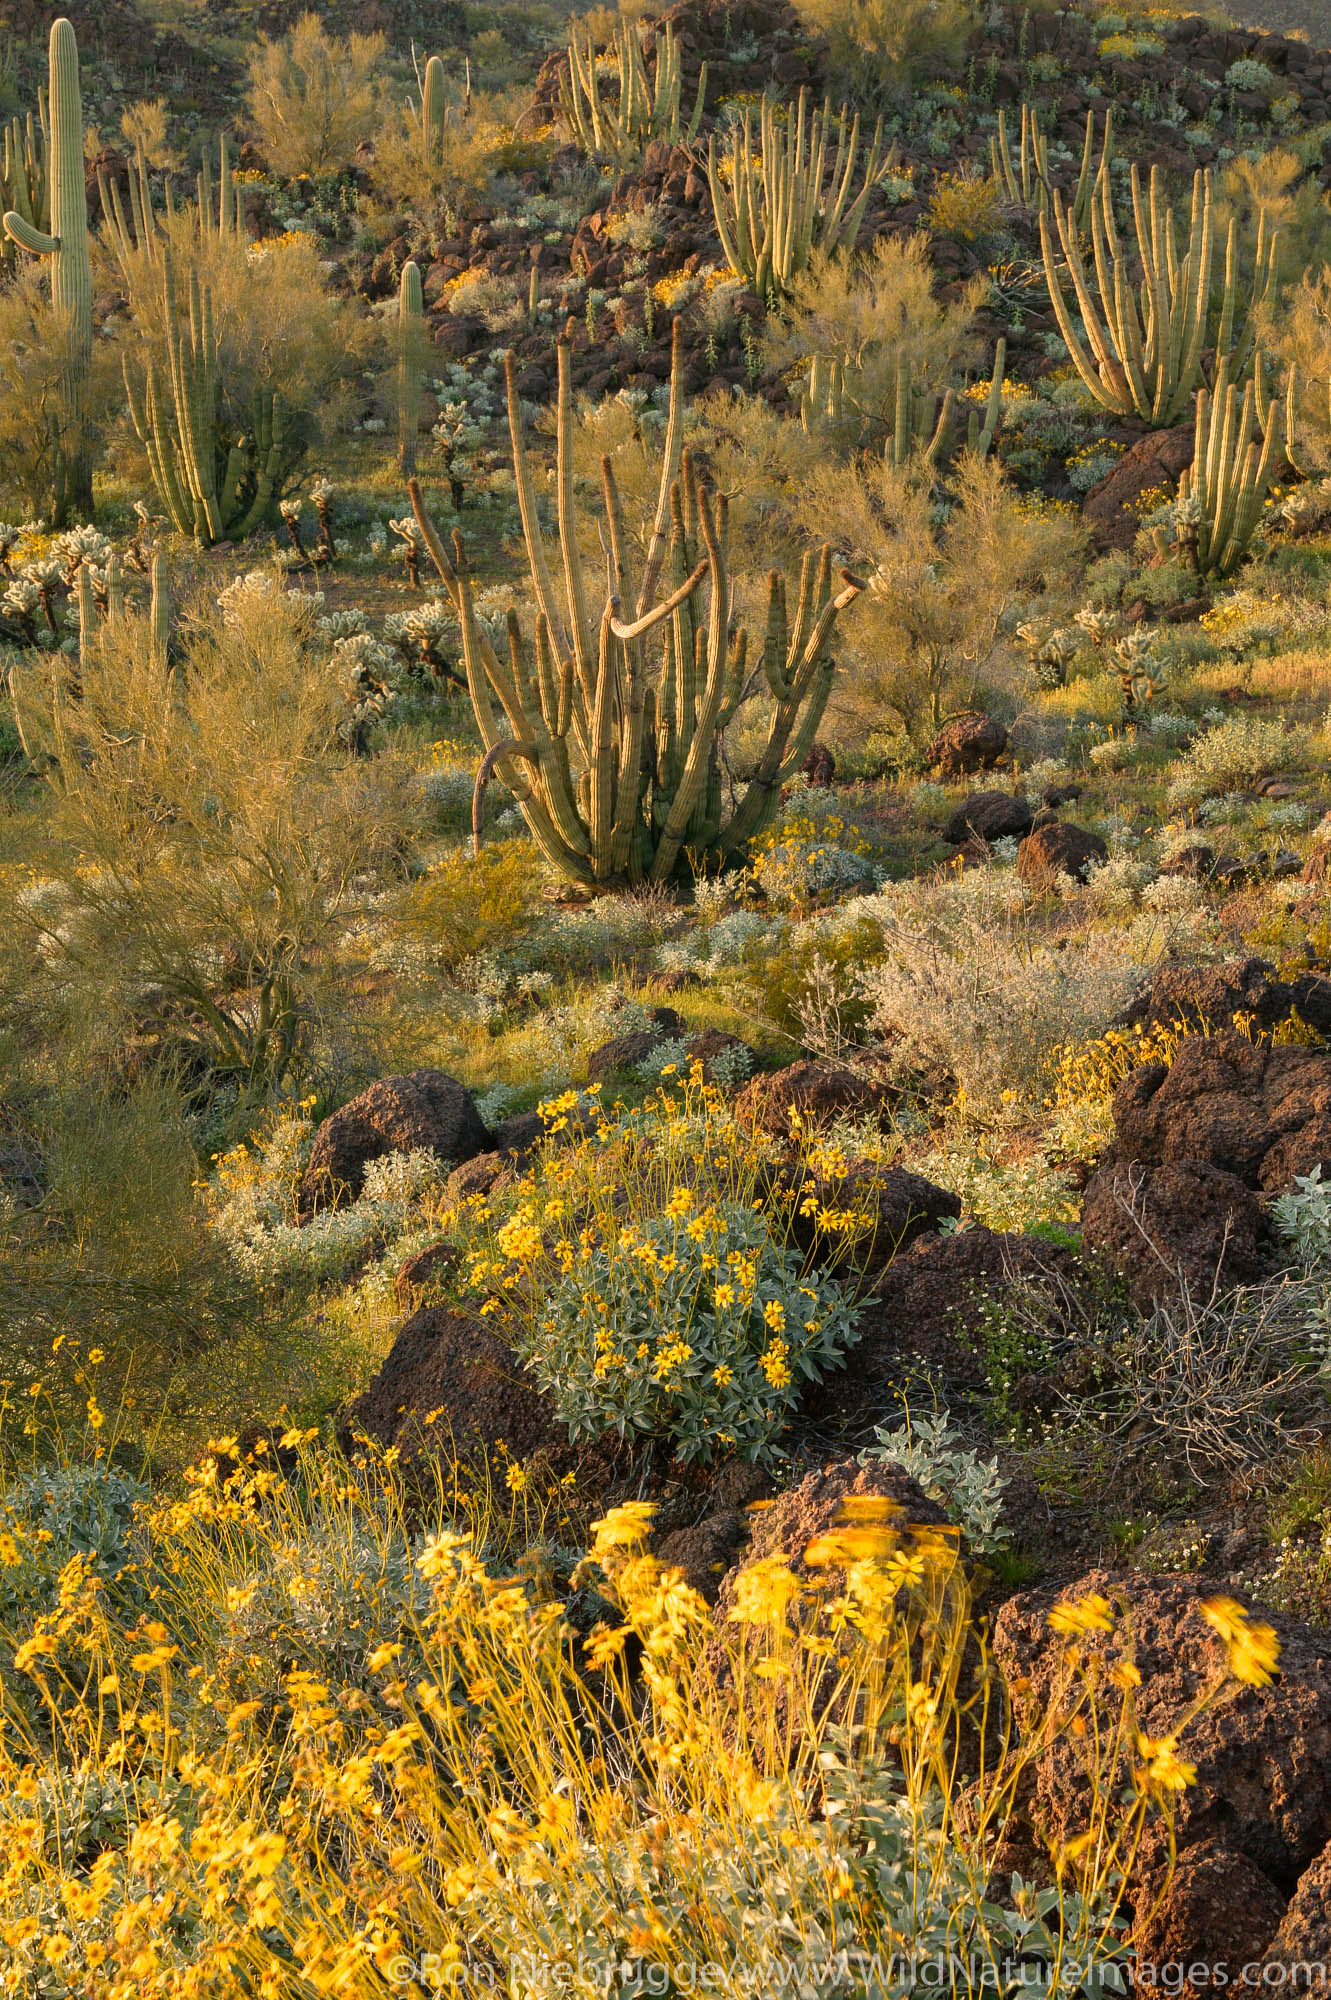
x=970, y=742
x=1059, y=849
x=990, y=816
x=427, y=1109
x=1156, y=460
x=1258, y=1819
x=1183, y=1225
x=1260, y=1112
x=423, y=1271
x=816, y=1092
x=894, y=1208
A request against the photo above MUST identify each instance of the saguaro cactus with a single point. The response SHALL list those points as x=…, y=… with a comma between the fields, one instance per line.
x=1146, y=344
x=66, y=248
x=771, y=212
x=615, y=761
x=410, y=348
x=619, y=126
x=1221, y=495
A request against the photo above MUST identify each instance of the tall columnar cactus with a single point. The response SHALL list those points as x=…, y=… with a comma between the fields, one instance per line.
x=1237, y=443
x=609, y=732
x=211, y=489
x=24, y=171
x=619, y=125
x=919, y=425
x=66, y=248
x=134, y=230
x=1027, y=179
x=771, y=209
x=410, y=350
x=1146, y=343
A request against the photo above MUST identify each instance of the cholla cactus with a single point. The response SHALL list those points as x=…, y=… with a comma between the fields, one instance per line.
x=23, y=600
x=421, y=632
x=66, y=248
x=620, y=125
x=1049, y=653
x=770, y=206
x=321, y=499
x=615, y=763
x=413, y=546
x=1097, y=625
x=81, y=545
x=1146, y=344
x=1225, y=487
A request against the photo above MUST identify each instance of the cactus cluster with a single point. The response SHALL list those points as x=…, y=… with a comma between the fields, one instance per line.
x=608, y=731
x=616, y=125
x=1237, y=445
x=920, y=426
x=25, y=171
x=65, y=248
x=1026, y=179
x=1144, y=344
x=772, y=210
x=211, y=488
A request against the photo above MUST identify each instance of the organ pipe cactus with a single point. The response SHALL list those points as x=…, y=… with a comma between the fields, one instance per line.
x=608, y=728
x=66, y=249
x=410, y=348
x=919, y=424
x=1027, y=179
x=771, y=209
x=1143, y=345
x=619, y=125
x=1237, y=441
x=134, y=228
x=209, y=488
x=24, y=170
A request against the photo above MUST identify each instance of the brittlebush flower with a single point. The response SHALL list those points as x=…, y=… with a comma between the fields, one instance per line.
x=764, y=1591
x=1254, y=1650
x=1091, y=1613
x=1162, y=1769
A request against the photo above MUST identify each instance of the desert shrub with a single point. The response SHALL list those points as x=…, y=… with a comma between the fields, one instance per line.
x=40, y=433
x=969, y=1488
x=892, y=41
x=1235, y=752
x=806, y=979
x=941, y=592
x=811, y=855
x=1303, y=1218
x=651, y=1293
x=201, y=848
x=322, y=1669
x=1301, y=334
x=473, y=902
x=313, y=100
x=875, y=314
x=144, y=127
x=969, y=984
x=965, y=205
x=280, y=328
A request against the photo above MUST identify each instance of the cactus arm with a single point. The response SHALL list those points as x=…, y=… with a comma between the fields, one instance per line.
x=531, y=521
x=20, y=231
x=575, y=584
x=670, y=463
x=411, y=328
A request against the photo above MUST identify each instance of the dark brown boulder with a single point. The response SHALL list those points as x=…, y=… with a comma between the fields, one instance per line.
x=624, y=1052
x=990, y=816
x=815, y=1092
x=478, y=1177
x=422, y=1271
x=1110, y=509
x=970, y=742
x=1259, y=1111
x=1258, y=1816
x=1182, y=1225
x=1206, y=997
x=819, y=767
x=425, y=1110
x=1059, y=849
x=714, y=1045
x=928, y=1307
x=1303, y=1937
